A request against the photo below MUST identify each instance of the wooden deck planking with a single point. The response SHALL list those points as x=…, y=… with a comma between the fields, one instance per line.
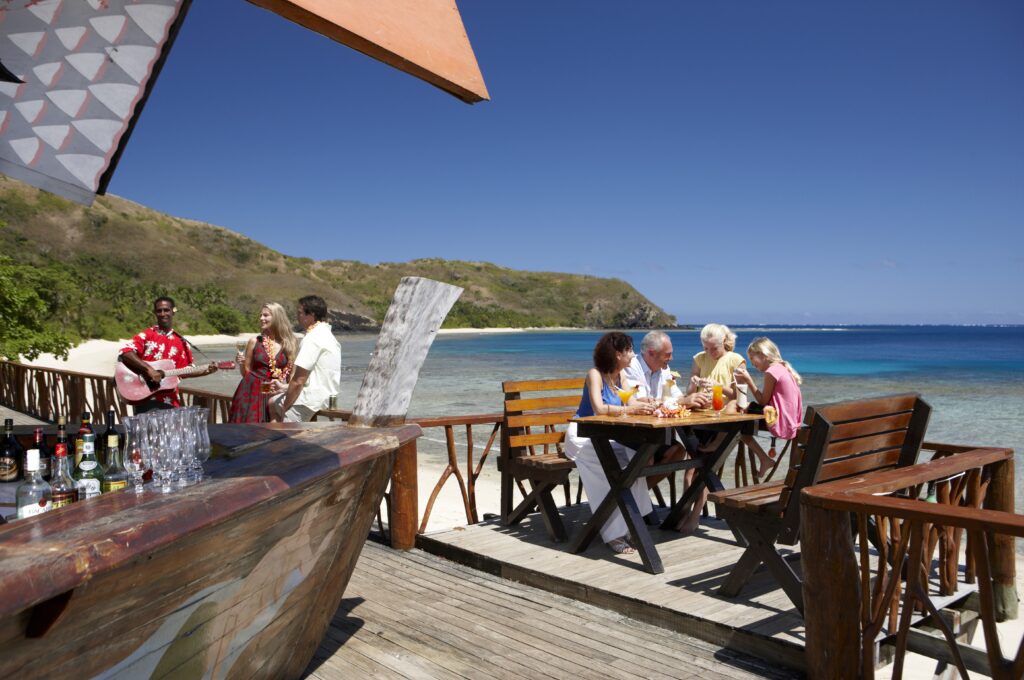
x=684, y=598
x=413, y=615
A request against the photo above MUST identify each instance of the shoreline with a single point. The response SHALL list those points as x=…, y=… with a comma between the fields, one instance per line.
x=99, y=356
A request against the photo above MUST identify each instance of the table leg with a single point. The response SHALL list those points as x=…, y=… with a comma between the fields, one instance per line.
x=706, y=478
x=619, y=495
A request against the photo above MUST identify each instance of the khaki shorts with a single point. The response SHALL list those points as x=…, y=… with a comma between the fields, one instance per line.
x=296, y=414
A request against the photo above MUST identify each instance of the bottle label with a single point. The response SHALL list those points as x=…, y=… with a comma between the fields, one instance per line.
x=87, y=465
x=87, y=488
x=62, y=498
x=115, y=485
x=61, y=449
x=34, y=509
x=112, y=441
x=8, y=470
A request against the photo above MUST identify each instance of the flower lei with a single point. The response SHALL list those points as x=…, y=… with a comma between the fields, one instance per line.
x=275, y=372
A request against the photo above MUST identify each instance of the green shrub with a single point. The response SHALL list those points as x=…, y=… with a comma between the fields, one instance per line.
x=225, y=319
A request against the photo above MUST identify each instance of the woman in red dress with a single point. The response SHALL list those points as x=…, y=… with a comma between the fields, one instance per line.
x=267, y=357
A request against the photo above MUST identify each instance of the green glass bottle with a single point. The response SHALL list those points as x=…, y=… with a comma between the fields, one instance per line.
x=115, y=477
x=88, y=473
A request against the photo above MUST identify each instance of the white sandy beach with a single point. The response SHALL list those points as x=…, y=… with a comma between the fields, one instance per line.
x=99, y=356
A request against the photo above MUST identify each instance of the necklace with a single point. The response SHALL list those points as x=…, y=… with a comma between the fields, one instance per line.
x=309, y=328
x=275, y=372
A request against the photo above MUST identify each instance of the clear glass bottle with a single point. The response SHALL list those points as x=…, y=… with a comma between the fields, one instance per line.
x=115, y=477
x=11, y=454
x=62, y=486
x=88, y=473
x=33, y=496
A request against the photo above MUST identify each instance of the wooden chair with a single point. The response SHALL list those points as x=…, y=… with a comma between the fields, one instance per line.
x=531, y=447
x=837, y=440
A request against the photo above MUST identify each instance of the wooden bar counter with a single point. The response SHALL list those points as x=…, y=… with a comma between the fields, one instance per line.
x=235, y=577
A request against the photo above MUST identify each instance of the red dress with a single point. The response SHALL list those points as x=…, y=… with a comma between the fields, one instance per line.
x=249, y=405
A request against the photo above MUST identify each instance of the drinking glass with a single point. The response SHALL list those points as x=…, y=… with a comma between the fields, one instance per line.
x=717, y=399
x=201, y=420
x=158, y=446
x=625, y=394
x=132, y=454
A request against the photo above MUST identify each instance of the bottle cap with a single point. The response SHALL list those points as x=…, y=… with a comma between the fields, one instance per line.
x=32, y=460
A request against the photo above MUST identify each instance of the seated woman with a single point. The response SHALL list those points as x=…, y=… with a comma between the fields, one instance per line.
x=715, y=365
x=612, y=354
x=781, y=392
x=267, y=357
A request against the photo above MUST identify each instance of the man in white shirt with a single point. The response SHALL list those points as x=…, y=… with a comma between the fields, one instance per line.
x=317, y=371
x=649, y=370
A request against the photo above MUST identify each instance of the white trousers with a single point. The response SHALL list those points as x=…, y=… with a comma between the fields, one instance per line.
x=595, y=482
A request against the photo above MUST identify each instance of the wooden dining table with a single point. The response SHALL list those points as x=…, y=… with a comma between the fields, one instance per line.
x=650, y=435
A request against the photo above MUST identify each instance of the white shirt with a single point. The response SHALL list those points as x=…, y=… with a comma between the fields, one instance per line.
x=652, y=383
x=320, y=354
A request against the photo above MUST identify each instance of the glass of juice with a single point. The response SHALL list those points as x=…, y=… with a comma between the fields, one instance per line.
x=717, y=399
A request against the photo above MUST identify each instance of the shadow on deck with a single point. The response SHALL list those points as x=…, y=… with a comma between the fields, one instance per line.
x=761, y=621
x=415, y=615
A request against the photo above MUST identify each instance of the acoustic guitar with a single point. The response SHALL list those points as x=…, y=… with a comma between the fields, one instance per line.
x=135, y=387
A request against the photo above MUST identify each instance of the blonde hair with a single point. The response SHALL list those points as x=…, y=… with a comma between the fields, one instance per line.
x=282, y=328
x=721, y=333
x=769, y=350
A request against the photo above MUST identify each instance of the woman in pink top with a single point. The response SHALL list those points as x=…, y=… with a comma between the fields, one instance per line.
x=781, y=391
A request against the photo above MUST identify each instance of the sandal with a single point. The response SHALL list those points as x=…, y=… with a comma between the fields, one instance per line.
x=621, y=546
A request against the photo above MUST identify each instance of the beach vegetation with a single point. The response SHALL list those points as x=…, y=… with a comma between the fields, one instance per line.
x=35, y=305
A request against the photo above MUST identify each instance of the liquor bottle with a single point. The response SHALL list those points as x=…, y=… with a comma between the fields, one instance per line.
x=102, y=439
x=63, y=489
x=115, y=477
x=11, y=452
x=62, y=438
x=88, y=473
x=33, y=496
x=83, y=429
x=39, y=442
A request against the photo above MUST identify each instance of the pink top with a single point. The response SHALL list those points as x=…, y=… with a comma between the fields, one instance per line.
x=787, y=400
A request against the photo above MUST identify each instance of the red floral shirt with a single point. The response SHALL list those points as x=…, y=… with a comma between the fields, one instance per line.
x=153, y=344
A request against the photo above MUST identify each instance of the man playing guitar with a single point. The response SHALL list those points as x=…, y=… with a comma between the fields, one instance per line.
x=153, y=344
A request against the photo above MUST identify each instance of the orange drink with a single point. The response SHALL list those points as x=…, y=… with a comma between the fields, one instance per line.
x=717, y=398
x=626, y=393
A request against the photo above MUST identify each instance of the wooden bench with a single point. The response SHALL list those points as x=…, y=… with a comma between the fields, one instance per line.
x=837, y=441
x=531, y=447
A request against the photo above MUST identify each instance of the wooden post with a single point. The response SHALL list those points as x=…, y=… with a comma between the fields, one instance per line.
x=417, y=310
x=405, y=510
x=831, y=594
x=1001, y=546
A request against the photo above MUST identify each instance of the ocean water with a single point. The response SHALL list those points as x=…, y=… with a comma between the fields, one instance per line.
x=972, y=376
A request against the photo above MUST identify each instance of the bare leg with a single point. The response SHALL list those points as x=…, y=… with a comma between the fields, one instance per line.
x=689, y=523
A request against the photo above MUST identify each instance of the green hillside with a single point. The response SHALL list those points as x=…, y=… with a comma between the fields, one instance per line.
x=103, y=265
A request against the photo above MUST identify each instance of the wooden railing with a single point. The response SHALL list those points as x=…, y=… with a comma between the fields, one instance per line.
x=908, y=567
x=45, y=393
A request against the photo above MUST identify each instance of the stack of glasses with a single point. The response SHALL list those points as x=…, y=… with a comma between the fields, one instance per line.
x=173, y=443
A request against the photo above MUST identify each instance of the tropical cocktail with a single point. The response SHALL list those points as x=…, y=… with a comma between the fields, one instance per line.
x=717, y=399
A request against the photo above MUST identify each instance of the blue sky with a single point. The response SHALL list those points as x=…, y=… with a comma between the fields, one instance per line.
x=792, y=162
